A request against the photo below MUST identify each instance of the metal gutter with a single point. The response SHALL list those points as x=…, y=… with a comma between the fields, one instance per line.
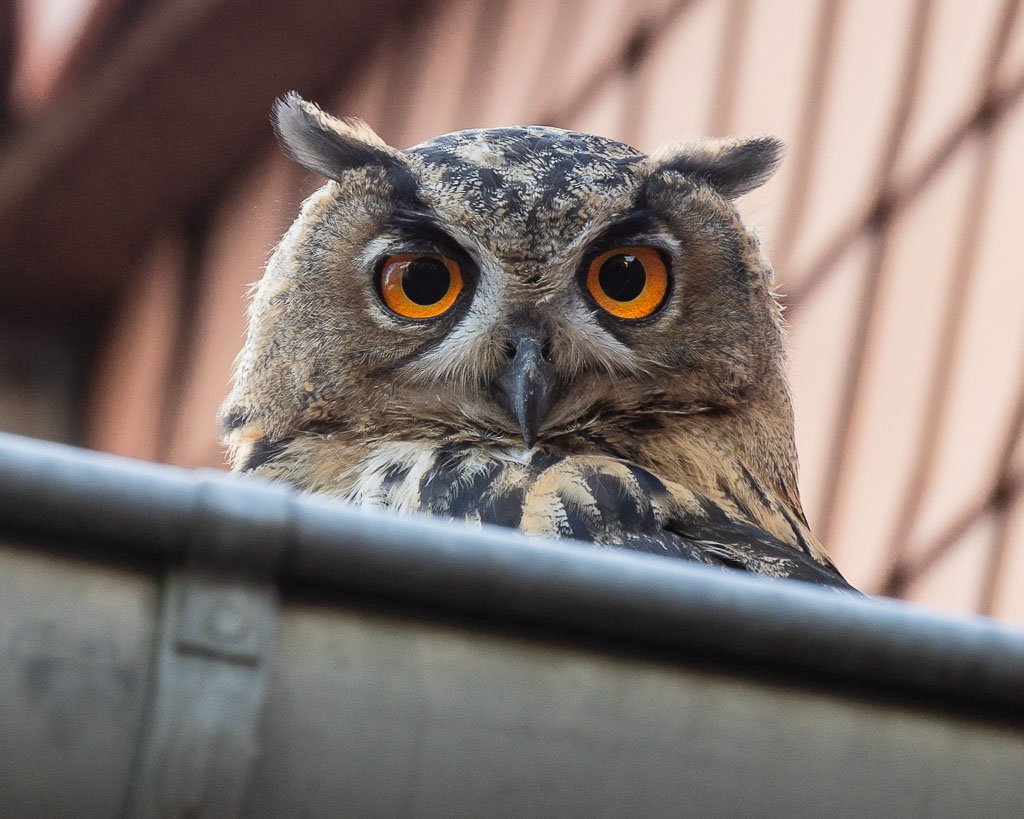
x=123, y=510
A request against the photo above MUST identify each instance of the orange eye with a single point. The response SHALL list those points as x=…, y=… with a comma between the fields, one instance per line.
x=420, y=285
x=628, y=282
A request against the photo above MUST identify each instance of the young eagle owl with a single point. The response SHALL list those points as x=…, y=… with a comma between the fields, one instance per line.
x=533, y=328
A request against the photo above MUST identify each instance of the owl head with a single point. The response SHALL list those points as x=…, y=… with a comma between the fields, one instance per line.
x=522, y=286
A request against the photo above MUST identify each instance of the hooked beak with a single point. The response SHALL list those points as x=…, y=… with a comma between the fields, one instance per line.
x=527, y=385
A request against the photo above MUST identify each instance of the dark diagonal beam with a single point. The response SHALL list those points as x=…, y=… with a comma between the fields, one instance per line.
x=634, y=48
x=988, y=112
x=975, y=207
x=803, y=153
x=851, y=399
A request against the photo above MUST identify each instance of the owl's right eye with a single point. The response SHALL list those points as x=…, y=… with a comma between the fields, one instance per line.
x=420, y=285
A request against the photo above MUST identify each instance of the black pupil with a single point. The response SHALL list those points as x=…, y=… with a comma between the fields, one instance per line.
x=426, y=280
x=622, y=277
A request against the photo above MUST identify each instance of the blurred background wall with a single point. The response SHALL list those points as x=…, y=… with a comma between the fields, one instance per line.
x=141, y=193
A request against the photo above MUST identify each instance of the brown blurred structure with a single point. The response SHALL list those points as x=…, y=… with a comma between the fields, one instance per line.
x=140, y=194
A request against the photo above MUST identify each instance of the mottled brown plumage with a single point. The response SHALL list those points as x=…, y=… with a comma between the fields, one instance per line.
x=670, y=433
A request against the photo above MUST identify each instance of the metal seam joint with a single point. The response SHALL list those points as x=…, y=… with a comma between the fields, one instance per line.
x=213, y=654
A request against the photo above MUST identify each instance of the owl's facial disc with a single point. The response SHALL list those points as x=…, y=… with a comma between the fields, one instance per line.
x=503, y=282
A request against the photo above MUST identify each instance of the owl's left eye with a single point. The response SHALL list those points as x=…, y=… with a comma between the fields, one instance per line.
x=628, y=282
x=420, y=285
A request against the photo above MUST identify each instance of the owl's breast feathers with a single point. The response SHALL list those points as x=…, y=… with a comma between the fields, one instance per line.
x=600, y=499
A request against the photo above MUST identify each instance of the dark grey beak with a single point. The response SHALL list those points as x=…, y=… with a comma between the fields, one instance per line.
x=527, y=384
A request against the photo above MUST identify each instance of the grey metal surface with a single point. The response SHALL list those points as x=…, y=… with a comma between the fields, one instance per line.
x=212, y=661
x=201, y=732
x=378, y=716
x=540, y=678
x=76, y=644
x=371, y=714
x=130, y=509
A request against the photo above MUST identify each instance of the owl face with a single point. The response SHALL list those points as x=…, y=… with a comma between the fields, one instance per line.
x=512, y=285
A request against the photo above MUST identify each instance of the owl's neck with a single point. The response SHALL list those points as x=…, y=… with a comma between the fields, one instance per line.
x=739, y=463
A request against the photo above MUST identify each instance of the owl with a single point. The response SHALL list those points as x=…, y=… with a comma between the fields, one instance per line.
x=533, y=328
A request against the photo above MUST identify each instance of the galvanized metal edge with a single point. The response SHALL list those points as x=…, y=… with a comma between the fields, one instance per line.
x=119, y=506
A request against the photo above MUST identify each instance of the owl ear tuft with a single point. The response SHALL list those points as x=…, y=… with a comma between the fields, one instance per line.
x=732, y=167
x=327, y=145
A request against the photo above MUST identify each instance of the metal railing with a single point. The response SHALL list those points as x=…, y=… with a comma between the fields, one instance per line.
x=194, y=643
x=125, y=510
